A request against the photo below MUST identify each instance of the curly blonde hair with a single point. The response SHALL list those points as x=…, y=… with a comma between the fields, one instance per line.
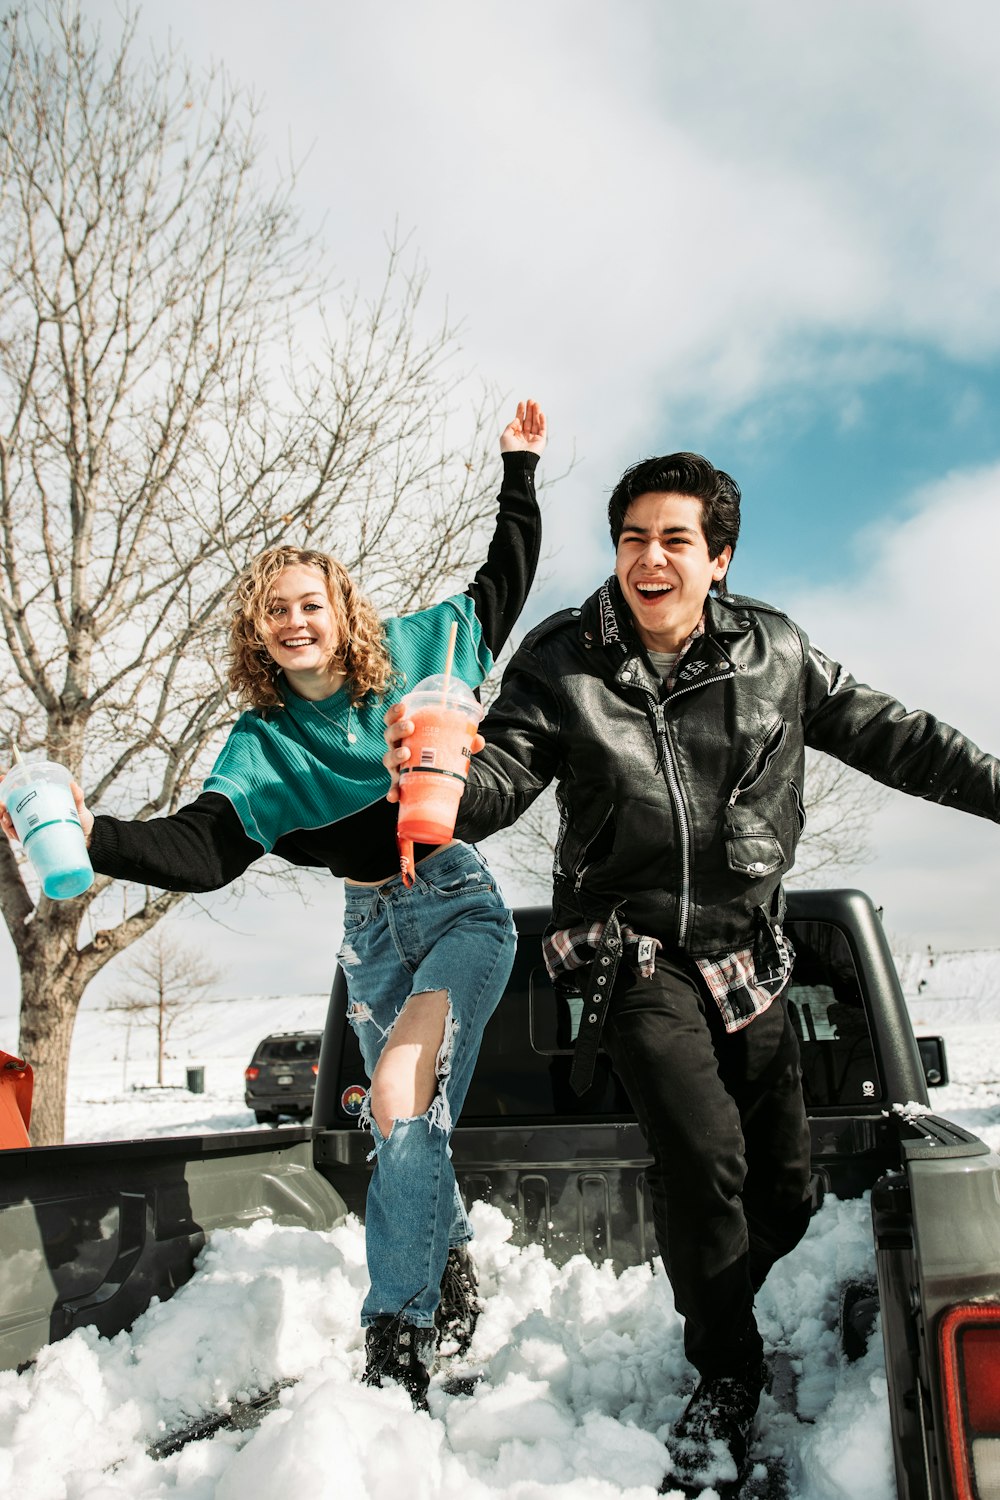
x=363, y=655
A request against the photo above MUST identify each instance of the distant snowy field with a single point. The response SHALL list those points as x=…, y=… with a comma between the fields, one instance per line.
x=112, y=1095
x=584, y=1372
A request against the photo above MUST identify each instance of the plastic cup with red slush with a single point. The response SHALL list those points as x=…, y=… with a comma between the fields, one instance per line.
x=445, y=717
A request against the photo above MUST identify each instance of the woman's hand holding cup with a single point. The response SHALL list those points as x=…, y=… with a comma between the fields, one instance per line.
x=398, y=728
x=83, y=811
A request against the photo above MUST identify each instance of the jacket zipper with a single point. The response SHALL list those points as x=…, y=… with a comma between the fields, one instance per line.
x=800, y=807
x=672, y=777
x=739, y=790
x=589, y=845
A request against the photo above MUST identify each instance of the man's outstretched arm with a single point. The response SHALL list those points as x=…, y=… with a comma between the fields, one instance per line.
x=908, y=749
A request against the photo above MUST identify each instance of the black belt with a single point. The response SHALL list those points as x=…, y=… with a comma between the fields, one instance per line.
x=596, y=995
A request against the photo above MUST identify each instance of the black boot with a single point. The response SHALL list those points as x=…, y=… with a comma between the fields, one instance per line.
x=711, y=1442
x=402, y=1352
x=459, y=1308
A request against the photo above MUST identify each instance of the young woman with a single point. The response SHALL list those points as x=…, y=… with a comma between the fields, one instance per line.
x=301, y=776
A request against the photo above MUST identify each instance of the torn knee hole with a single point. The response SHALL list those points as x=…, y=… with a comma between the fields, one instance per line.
x=449, y=1026
x=399, y=1097
x=436, y=1116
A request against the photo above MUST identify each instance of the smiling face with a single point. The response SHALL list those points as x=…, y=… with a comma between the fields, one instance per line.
x=664, y=569
x=301, y=634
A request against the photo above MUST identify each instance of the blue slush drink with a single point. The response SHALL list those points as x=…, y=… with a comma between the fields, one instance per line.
x=37, y=795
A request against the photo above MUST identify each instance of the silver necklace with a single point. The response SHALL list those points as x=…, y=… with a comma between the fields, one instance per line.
x=350, y=736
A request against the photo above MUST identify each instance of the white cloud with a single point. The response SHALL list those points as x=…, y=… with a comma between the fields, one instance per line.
x=680, y=192
x=651, y=208
x=648, y=206
x=921, y=620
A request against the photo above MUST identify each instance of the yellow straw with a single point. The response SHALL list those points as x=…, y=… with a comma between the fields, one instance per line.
x=448, y=661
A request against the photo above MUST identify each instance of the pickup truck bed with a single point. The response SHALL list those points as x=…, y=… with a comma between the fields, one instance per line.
x=88, y=1234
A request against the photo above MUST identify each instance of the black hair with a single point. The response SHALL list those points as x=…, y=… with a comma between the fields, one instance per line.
x=683, y=474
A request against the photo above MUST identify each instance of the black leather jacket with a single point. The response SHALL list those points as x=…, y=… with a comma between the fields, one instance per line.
x=684, y=808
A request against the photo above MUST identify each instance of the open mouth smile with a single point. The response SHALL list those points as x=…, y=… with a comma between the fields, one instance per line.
x=654, y=591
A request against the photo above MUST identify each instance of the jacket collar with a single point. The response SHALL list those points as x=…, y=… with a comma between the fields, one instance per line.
x=728, y=614
x=606, y=620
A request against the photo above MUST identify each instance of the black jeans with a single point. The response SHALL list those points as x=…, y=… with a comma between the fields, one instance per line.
x=725, y=1123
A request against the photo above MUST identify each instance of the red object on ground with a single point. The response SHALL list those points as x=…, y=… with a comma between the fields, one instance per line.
x=16, y=1085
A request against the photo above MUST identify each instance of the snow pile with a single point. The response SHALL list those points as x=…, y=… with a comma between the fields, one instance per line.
x=583, y=1376
x=583, y=1371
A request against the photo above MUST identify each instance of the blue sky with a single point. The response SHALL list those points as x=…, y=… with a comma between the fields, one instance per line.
x=756, y=228
x=816, y=473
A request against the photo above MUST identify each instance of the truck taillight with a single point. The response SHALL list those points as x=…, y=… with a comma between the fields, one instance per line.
x=315, y=1069
x=970, y=1366
x=252, y=1073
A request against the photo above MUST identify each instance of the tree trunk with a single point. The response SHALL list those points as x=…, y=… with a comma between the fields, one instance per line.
x=49, y=1002
x=54, y=974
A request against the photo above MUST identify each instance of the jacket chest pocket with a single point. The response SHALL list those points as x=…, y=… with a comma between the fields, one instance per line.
x=754, y=854
x=761, y=761
x=757, y=834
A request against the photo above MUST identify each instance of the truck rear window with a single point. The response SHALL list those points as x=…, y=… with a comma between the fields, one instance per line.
x=824, y=1003
x=827, y=1010
x=288, y=1048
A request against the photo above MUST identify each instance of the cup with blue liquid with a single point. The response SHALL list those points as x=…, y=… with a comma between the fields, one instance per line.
x=38, y=797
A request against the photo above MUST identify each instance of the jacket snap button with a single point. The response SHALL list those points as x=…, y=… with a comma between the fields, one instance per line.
x=605, y=961
x=602, y=978
x=757, y=867
x=591, y=1019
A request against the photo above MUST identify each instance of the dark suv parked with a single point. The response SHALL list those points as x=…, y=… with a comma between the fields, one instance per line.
x=281, y=1078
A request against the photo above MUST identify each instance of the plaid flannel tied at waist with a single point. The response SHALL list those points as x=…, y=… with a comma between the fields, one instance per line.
x=742, y=984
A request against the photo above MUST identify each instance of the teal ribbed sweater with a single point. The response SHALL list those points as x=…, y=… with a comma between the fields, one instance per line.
x=295, y=768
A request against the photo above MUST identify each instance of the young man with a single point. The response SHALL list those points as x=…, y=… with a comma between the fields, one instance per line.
x=674, y=718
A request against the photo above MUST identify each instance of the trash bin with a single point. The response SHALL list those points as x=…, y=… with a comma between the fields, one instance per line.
x=196, y=1080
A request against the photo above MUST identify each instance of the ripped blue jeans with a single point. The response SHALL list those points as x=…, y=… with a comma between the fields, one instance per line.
x=452, y=931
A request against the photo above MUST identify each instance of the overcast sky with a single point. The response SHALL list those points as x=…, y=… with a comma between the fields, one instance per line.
x=766, y=231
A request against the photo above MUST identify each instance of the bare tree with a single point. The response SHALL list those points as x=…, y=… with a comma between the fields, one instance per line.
x=162, y=418
x=165, y=983
x=840, y=804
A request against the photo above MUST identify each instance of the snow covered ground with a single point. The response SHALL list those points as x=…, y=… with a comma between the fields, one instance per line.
x=584, y=1373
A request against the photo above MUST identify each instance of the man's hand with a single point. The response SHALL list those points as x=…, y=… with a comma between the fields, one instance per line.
x=85, y=815
x=527, y=432
x=398, y=729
